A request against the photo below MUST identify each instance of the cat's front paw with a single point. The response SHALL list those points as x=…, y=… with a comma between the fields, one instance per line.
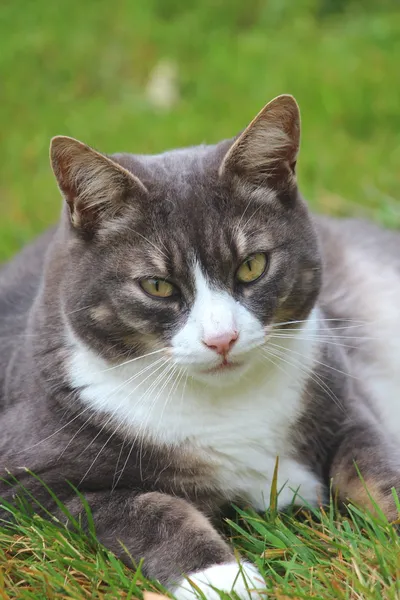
x=242, y=578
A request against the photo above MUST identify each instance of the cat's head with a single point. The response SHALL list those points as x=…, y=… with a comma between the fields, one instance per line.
x=194, y=254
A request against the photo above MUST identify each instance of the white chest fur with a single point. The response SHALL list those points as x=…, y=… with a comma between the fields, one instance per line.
x=240, y=429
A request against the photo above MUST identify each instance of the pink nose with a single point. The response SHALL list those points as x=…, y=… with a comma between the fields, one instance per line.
x=221, y=344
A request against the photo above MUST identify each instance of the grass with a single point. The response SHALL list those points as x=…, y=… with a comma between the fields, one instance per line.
x=320, y=555
x=81, y=69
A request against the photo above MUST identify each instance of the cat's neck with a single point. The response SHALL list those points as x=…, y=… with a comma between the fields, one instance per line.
x=150, y=397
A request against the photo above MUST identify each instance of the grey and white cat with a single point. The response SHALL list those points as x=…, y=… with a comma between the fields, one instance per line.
x=186, y=323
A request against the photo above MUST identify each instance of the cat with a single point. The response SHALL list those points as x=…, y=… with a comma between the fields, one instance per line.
x=186, y=323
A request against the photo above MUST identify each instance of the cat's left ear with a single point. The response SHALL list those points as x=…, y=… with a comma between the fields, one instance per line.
x=266, y=151
x=95, y=187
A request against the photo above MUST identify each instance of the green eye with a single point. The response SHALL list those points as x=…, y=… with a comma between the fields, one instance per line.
x=158, y=288
x=252, y=268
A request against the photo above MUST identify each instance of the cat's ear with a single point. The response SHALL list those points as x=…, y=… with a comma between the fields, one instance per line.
x=266, y=151
x=95, y=187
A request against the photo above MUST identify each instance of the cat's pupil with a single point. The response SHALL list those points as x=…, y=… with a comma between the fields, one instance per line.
x=248, y=263
x=157, y=285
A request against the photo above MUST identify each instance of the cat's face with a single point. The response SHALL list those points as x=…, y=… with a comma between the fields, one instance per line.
x=196, y=260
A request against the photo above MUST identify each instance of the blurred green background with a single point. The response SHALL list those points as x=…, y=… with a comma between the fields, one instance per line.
x=147, y=75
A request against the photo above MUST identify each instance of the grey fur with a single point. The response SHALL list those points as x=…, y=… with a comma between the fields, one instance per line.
x=182, y=201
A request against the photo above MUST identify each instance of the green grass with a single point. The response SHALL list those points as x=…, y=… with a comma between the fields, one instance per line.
x=321, y=555
x=81, y=69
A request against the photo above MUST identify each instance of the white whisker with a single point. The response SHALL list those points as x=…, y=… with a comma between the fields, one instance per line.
x=148, y=241
x=236, y=228
x=310, y=374
x=290, y=350
x=55, y=432
x=147, y=392
x=169, y=376
x=321, y=320
x=130, y=361
x=121, y=386
x=328, y=340
x=117, y=463
x=172, y=390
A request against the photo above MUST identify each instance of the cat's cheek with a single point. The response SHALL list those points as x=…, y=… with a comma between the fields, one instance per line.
x=242, y=578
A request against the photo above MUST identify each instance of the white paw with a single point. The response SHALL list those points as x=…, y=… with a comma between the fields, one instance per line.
x=242, y=578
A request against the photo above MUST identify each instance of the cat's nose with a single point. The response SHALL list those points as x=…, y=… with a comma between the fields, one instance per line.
x=222, y=343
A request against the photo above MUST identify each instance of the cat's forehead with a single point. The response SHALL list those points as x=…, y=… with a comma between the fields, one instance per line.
x=192, y=215
x=177, y=164
x=186, y=189
x=171, y=242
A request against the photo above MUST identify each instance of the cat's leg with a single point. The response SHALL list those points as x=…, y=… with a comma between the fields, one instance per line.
x=173, y=538
x=365, y=451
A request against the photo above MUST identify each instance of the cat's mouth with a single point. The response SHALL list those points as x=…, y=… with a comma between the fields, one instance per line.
x=225, y=365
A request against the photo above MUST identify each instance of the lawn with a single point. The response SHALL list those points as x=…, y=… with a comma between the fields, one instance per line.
x=319, y=556
x=82, y=69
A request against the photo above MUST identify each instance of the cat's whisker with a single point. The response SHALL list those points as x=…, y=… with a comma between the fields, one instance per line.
x=311, y=340
x=260, y=207
x=291, y=351
x=313, y=377
x=120, y=386
x=321, y=320
x=148, y=241
x=153, y=384
x=281, y=355
x=324, y=331
x=168, y=378
x=130, y=361
x=172, y=390
x=55, y=432
x=116, y=472
x=333, y=339
x=183, y=391
x=132, y=378
x=310, y=374
x=147, y=392
x=115, y=411
x=135, y=376
x=188, y=363
x=96, y=457
x=327, y=335
x=305, y=338
x=76, y=310
x=315, y=336
x=237, y=226
x=279, y=366
x=81, y=428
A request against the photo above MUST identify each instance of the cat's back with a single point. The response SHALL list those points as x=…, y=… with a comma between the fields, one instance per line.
x=361, y=297
x=361, y=266
x=356, y=236
x=19, y=282
x=20, y=278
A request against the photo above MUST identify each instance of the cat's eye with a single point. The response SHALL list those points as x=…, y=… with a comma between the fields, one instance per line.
x=252, y=268
x=158, y=288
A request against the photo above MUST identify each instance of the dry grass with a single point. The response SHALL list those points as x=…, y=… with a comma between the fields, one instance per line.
x=83, y=69
x=319, y=555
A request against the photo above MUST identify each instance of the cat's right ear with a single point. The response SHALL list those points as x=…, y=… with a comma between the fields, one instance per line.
x=95, y=187
x=265, y=153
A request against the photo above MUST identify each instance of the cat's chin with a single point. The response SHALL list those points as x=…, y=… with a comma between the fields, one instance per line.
x=223, y=368
x=222, y=374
